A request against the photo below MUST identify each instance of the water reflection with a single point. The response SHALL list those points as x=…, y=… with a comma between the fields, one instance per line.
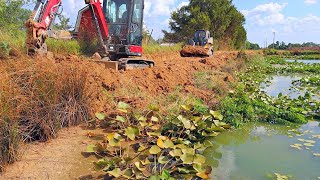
x=304, y=61
x=258, y=149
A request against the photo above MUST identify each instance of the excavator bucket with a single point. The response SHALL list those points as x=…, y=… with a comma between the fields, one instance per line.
x=127, y=63
x=196, y=51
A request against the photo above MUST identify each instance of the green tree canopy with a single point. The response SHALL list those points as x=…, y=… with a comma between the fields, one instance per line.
x=220, y=17
x=13, y=15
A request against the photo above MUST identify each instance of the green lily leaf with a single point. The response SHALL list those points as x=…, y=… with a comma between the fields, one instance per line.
x=187, y=158
x=155, y=178
x=165, y=175
x=163, y=160
x=199, y=159
x=154, y=149
x=116, y=172
x=127, y=173
x=100, y=116
x=176, y=153
x=154, y=119
x=91, y=148
x=154, y=107
x=146, y=162
x=122, y=105
x=121, y=119
x=168, y=144
x=132, y=132
x=189, y=151
x=142, y=118
x=186, y=107
x=184, y=170
x=156, y=133
x=186, y=123
x=181, y=146
x=200, y=168
x=139, y=166
x=114, y=142
x=217, y=115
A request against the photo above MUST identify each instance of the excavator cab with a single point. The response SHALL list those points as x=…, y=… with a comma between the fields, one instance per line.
x=124, y=19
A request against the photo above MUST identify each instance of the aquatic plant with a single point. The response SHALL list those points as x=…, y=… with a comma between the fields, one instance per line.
x=146, y=145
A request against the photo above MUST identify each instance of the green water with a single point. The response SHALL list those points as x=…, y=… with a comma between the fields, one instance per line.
x=259, y=149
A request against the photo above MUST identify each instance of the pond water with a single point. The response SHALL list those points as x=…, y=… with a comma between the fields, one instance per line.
x=304, y=61
x=253, y=152
x=258, y=149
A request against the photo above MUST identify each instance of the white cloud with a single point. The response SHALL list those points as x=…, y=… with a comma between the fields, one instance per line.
x=271, y=14
x=266, y=14
x=159, y=7
x=183, y=3
x=310, y=2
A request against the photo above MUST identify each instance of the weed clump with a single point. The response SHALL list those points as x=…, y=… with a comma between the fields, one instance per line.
x=37, y=99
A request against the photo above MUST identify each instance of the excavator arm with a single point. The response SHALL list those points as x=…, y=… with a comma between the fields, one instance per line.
x=44, y=14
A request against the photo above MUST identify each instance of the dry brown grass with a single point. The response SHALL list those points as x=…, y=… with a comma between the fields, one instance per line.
x=37, y=98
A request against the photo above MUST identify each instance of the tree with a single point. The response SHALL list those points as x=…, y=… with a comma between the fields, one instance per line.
x=13, y=15
x=63, y=23
x=220, y=17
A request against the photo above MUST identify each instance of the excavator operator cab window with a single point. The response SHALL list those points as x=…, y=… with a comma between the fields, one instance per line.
x=125, y=16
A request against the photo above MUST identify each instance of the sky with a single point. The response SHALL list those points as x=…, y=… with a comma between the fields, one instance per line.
x=295, y=21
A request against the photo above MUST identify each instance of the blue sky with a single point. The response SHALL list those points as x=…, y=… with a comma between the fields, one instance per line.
x=292, y=20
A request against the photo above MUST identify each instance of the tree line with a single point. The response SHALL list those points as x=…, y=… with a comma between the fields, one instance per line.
x=283, y=46
x=220, y=17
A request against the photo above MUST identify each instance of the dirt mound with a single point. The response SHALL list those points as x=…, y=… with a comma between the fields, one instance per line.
x=194, y=51
x=171, y=71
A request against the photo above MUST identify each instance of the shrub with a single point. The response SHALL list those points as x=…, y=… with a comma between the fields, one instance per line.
x=37, y=99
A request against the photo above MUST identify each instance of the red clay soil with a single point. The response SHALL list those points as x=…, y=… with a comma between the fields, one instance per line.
x=170, y=71
x=194, y=50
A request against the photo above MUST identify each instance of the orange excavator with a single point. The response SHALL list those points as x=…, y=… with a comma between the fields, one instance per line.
x=116, y=24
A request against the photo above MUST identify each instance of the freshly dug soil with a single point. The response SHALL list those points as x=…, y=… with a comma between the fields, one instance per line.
x=194, y=51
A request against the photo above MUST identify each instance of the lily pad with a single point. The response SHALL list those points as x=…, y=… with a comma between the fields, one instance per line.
x=139, y=166
x=187, y=158
x=116, y=172
x=121, y=119
x=154, y=119
x=168, y=144
x=100, y=116
x=199, y=159
x=188, y=151
x=154, y=149
x=163, y=160
x=308, y=144
x=132, y=132
x=127, y=173
x=91, y=148
x=316, y=154
x=203, y=175
x=217, y=115
x=160, y=143
x=176, y=153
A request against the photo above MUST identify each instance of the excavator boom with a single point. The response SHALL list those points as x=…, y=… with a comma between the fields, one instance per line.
x=117, y=25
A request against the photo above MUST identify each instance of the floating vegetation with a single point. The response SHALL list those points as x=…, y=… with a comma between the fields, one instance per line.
x=277, y=176
x=316, y=154
x=297, y=146
x=146, y=146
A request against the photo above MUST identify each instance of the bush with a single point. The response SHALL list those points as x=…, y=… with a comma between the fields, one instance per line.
x=268, y=52
x=4, y=50
x=37, y=99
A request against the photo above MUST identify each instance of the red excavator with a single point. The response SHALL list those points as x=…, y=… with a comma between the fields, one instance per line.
x=116, y=24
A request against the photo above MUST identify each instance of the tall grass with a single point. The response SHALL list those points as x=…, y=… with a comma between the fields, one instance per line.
x=37, y=98
x=58, y=46
x=155, y=48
